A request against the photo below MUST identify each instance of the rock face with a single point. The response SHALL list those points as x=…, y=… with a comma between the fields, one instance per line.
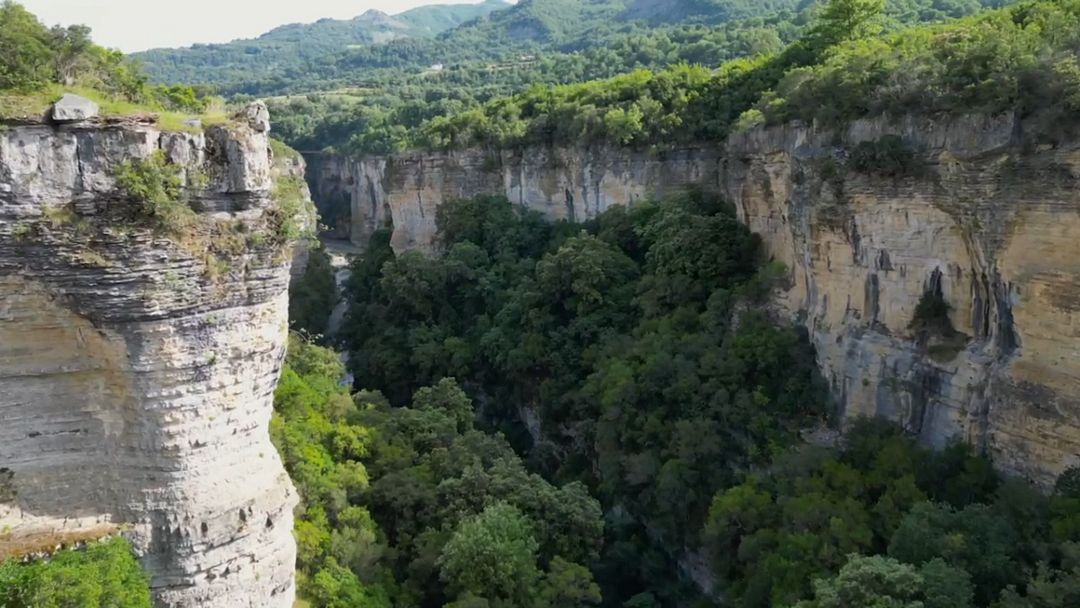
x=986, y=220
x=982, y=218
x=138, y=361
x=359, y=196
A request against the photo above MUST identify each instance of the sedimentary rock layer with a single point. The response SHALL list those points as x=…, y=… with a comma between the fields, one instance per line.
x=138, y=362
x=987, y=219
x=359, y=196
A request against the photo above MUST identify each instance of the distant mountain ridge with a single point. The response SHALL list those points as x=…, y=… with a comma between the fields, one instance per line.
x=413, y=40
x=495, y=42
x=291, y=46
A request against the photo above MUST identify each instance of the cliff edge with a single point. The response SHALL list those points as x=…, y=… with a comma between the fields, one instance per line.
x=141, y=339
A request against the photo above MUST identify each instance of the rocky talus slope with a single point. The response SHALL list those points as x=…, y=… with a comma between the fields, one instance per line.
x=138, y=361
x=983, y=220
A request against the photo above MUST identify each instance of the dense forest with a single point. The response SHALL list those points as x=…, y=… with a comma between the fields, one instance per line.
x=385, y=97
x=583, y=413
x=842, y=65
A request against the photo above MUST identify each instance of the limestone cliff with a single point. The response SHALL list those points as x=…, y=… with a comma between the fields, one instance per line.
x=138, y=361
x=983, y=220
x=360, y=196
x=987, y=220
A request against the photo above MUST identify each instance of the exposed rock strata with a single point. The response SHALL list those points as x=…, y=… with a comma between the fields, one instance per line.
x=137, y=365
x=989, y=221
x=364, y=195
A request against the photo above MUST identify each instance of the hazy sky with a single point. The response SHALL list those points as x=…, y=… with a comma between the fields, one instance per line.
x=136, y=25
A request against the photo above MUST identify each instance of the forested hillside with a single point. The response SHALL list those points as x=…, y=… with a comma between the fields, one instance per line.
x=293, y=52
x=543, y=43
x=334, y=54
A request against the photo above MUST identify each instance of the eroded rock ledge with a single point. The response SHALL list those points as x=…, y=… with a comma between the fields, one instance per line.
x=137, y=366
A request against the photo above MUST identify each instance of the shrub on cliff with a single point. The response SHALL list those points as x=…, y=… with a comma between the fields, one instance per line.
x=932, y=314
x=889, y=156
x=155, y=184
x=103, y=574
x=292, y=216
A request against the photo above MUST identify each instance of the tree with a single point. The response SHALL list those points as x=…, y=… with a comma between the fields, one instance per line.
x=26, y=60
x=336, y=587
x=71, y=46
x=869, y=582
x=945, y=586
x=883, y=582
x=1049, y=588
x=492, y=555
x=841, y=20
x=448, y=398
x=567, y=585
x=975, y=539
x=623, y=126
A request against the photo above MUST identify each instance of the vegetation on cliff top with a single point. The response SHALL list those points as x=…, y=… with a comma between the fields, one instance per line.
x=39, y=64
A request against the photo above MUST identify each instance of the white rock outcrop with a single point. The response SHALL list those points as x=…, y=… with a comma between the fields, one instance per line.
x=137, y=365
x=73, y=108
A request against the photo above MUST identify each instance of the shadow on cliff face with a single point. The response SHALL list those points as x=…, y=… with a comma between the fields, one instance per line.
x=63, y=457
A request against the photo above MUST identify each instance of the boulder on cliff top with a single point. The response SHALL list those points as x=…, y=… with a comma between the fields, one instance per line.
x=74, y=108
x=257, y=116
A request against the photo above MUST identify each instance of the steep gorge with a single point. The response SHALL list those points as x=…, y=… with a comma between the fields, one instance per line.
x=138, y=362
x=985, y=221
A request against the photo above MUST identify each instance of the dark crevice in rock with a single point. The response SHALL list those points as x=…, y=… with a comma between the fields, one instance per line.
x=872, y=303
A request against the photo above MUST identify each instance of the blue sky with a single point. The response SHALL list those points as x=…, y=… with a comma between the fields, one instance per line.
x=135, y=25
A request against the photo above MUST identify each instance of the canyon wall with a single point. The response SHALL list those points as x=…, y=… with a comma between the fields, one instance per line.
x=404, y=192
x=982, y=219
x=139, y=354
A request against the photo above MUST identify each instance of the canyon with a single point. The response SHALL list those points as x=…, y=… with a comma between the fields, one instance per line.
x=138, y=362
x=985, y=222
